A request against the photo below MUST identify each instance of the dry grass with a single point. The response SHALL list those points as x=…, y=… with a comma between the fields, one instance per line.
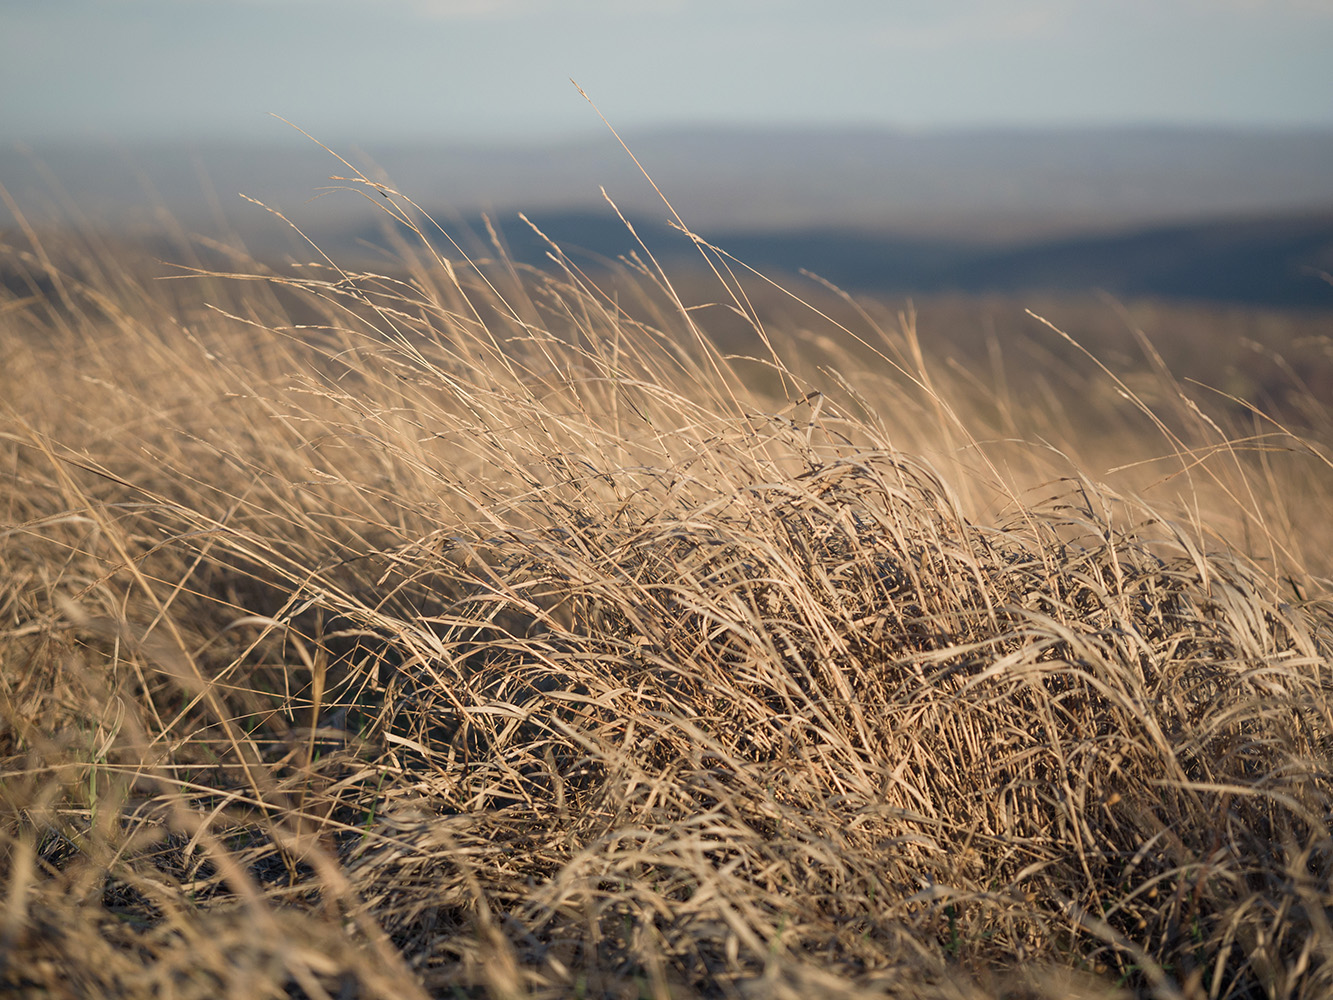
x=492, y=634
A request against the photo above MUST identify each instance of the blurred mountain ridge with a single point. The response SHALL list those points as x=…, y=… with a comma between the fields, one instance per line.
x=1241, y=215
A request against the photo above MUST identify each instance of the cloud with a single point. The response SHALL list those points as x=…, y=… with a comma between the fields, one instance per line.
x=510, y=9
x=471, y=10
x=1316, y=8
x=1288, y=12
x=944, y=25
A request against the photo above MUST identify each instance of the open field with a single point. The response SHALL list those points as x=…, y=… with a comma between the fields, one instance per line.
x=477, y=631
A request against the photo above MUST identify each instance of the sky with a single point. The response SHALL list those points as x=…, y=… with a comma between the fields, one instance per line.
x=500, y=70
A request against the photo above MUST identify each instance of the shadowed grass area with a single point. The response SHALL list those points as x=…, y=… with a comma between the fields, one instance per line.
x=489, y=632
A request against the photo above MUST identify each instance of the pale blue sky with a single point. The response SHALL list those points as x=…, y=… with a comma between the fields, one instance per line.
x=499, y=69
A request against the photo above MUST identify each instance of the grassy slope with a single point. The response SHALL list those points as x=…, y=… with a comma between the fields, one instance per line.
x=502, y=637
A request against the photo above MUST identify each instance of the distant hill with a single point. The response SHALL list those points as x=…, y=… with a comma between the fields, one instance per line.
x=1271, y=261
x=982, y=186
x=1225, y=215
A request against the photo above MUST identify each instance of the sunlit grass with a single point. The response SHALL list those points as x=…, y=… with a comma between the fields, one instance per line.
x=478, y=631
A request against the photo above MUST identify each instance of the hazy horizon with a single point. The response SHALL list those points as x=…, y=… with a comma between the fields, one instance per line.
x=956, y=181
x=1220, y=214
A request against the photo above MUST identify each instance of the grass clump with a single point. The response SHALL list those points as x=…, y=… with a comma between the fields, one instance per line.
x=476, y=631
